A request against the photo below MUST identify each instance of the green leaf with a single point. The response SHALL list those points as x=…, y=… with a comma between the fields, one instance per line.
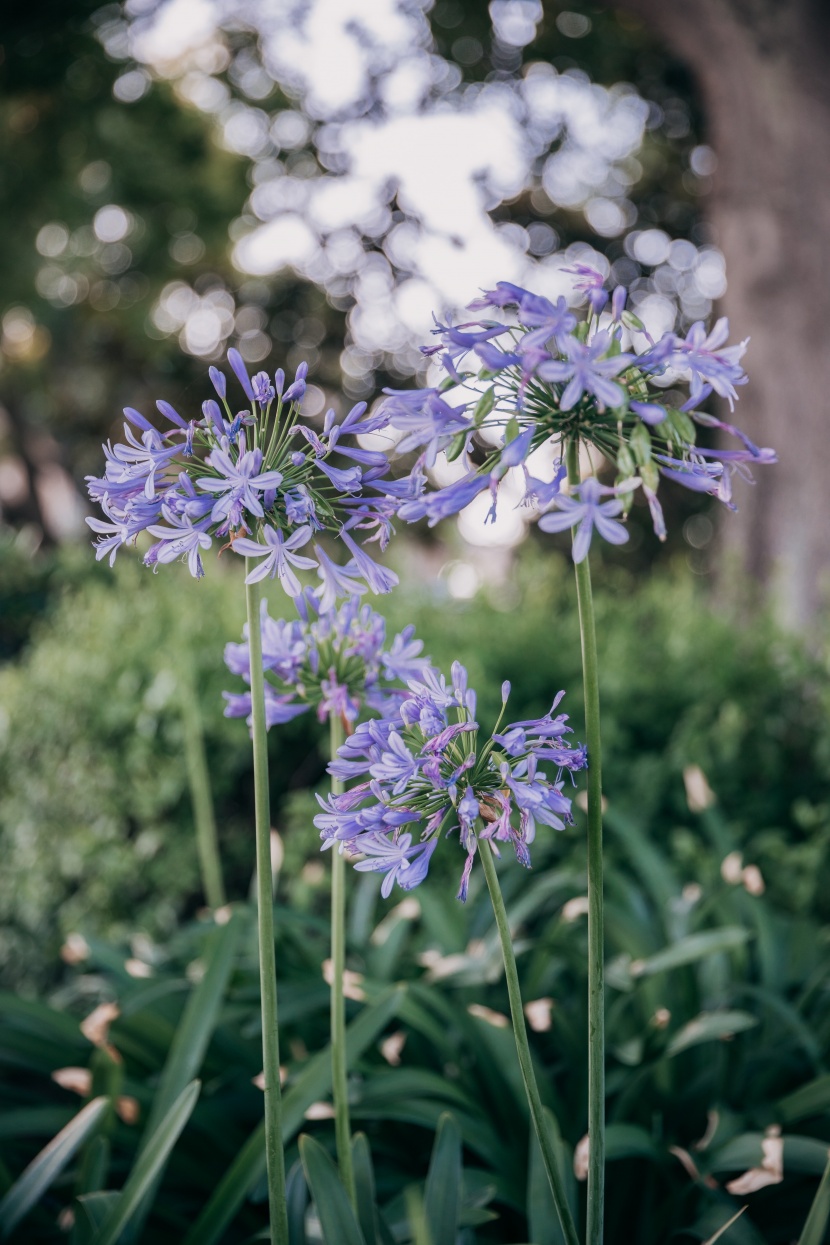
x=626, y=1141
x=542, y=1217
x=707, y=1027
x=811, y=1099
x=484, y=406
x=720, y=1231
x=442, y=1196
x=148, y=1166
x=313, y=1083
x=801, y=1154
x=511, y=430
x=364, y=1177
x=687, y=950
x=816, y=1225
x=296, y=1196
x=48, y=1164
x=190, y=1042
x=337, y=1219
x=34, y=1122
x=91, y=1213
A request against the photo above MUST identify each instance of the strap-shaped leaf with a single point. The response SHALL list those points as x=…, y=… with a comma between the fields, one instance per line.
x=46, y=1166
x=816, y=1225
x=148, y=1166
x=92, y=1211
x=694, y=947
x=364, y=1179
x=442, y=1197
x=543, y=1222
x=726, y=1226
x=337, y=1219
x=313, y=1083
x=296, y=1196
x=190, y=1043
x=708, y=1027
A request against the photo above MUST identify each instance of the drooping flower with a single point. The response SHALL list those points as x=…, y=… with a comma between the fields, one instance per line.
x=427, y=768
x=585, y=508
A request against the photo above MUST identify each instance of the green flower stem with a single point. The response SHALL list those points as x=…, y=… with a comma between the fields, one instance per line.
x=340, y=1088
x=265, y=905
x=596, y=988
x=523, y=1049
x=198, y=777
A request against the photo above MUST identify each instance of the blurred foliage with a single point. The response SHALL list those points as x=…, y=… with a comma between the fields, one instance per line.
x=95, y=815
x=719, y=1024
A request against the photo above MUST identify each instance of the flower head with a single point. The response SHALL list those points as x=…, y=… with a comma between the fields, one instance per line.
x=554, y=382
x=427, y=767
x=241, y=476
x=335, y=661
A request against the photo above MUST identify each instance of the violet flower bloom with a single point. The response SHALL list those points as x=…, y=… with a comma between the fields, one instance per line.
x=545, y=319
x=586, y=509
x=425, y=419
x=401, y=860
x=587, y=370
x=239, y=483
x=710, y=361
x=590, y=283
x=562, y=383
x=425, y=768
x=182, y=540
x=336, y=661
x=277, y=553
x=241, y=478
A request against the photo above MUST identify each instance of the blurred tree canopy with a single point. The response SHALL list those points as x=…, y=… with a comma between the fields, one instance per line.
x=165, y=197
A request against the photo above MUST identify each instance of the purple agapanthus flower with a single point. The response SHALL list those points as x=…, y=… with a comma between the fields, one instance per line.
x=426, y=768
x=587, y=509
x=335, y=660
x=240, y=477
x=587, y=369
x=277, y=553
x=553, y=380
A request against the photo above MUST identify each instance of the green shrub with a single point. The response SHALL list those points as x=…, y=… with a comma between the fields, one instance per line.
x=95, y=819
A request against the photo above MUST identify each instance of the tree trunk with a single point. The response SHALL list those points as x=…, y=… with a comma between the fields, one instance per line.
x=763, y=70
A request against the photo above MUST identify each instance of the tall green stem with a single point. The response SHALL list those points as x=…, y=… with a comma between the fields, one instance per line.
x=523, y=1049
x=596, y=988
x=265, y=905
x=199, y=781
x=340, y=1089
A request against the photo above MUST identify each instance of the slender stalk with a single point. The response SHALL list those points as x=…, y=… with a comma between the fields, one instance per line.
x=340, y=1089
x=198, y=776
x=596, y=987
x=523, y=1049
x=265, y=906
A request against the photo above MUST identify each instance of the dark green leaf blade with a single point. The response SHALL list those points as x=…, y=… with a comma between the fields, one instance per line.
x=337, y=1219
x=442, y=1197
x=46, y=1166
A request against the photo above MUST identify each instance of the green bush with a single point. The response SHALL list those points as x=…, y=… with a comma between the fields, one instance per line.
x=95, y=818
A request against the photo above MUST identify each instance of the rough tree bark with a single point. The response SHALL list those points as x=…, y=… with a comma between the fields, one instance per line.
x=763, y=71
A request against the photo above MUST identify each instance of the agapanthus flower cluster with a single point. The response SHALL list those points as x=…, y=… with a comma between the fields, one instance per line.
x=428, y=771
x=259, y=479
x=335, y=661
x=543, y=377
